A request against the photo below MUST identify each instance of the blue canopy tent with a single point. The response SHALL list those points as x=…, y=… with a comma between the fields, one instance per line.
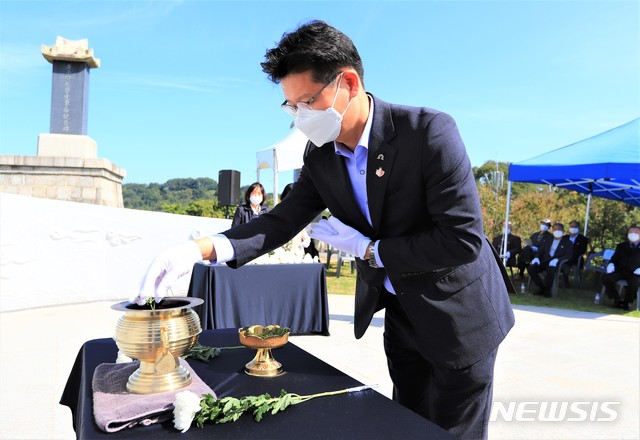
x=606, y=165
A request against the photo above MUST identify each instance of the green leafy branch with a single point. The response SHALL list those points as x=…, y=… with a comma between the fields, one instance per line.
x=229, y=409
x=205, y=353
x=268, y=332
x=151, y=302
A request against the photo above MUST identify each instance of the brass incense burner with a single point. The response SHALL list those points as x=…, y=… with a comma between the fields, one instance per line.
x=264, y=339
x=157, y=338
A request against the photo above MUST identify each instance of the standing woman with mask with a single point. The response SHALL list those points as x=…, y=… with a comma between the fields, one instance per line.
x=254, y=206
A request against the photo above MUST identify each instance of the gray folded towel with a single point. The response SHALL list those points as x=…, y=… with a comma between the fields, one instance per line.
x=114, y=408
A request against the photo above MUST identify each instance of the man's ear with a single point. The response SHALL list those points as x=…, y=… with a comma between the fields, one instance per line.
x=352, y=79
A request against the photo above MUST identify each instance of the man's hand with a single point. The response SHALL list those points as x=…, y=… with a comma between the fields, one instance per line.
x=553, y=263
x=165, y=269
x=507, y=254
x=341, y=236
x=610, y=268
x=535, y=261
x=534, y=248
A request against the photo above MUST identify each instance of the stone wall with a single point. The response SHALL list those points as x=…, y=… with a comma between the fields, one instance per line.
x=75, y=179
x=54, y=252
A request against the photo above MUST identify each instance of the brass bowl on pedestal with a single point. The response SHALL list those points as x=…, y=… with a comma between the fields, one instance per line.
x=264, y=339
x=157, y=338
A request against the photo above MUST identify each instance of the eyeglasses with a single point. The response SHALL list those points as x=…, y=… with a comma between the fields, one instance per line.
x=293, y=109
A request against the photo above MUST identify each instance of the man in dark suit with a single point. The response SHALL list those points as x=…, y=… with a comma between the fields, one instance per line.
x=537, y=239
x=514, y=246
x=403, y=199
x=548, y=259
x=579, y=247
x=624, y=265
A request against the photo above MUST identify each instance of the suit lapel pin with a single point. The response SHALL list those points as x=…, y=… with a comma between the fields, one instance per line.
x=380, y=156
x=379, y=172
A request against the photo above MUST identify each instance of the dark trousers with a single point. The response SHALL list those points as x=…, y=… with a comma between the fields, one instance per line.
x=524, y=257
x=550, y=273
x=610, y=279
x=458, y=400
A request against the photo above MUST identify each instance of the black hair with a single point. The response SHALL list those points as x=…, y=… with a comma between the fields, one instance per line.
x=315, y=46
x=247, y=193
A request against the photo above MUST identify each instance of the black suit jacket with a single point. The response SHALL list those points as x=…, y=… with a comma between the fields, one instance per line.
x=425, y=211
x=244, y=214
x=579, y=249
x=514, y=246
x=626, y=259
x=538, y=238
x=563, y=251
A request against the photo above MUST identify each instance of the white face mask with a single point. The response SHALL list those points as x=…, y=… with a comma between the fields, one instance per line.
x=633, y=237
x=573, y=231
x=321, y=126
x=544, y=228
x=558, y=234
x=255, y=200
x=508, y=231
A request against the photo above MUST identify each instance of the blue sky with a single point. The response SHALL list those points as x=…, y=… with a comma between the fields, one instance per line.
x=180, y=92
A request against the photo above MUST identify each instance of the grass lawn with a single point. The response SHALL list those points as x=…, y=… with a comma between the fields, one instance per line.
x=569, y=298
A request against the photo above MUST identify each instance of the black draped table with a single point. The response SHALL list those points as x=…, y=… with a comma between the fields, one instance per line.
x=291, y=295
x=362, y=415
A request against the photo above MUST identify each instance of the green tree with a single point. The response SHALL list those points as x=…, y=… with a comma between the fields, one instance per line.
x=172, y=208
x=172, y=196
x=205, y=208
x=530, y=203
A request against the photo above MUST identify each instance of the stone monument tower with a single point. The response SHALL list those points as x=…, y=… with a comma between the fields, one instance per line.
x=67, y=166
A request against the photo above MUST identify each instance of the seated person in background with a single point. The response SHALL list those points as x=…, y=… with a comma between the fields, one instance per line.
x=548, y=258
x=624, y=265
x=579, y=245
x=254, y=198
x=537, y=239
x=514, y=246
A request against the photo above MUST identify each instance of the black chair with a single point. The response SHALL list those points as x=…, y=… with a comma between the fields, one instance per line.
x=597, y=262
x=554, y=286
x=344, y=257
x=621, y=286
x=565, y=269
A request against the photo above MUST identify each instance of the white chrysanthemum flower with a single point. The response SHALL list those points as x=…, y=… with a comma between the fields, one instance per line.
x=289, y=253
x=185, y=408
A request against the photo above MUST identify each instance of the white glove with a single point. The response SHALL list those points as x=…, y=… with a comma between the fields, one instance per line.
x=553, y=262
x=535, y=261
x=535, y=248
x=508, y=254
x=637, y=271
x=341, y=236
x=165, y=269
x=610, y=268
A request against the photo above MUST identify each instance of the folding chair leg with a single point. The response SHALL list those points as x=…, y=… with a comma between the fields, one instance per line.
x=329, y=253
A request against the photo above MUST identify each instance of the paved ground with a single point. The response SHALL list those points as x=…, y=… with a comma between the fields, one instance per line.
x=551, y=357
